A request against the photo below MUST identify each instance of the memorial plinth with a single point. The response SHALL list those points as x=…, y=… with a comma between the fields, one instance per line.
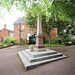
x=39, y=37
x=34, y=59
x=40, y=55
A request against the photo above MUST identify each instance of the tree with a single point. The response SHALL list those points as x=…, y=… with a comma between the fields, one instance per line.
x=63, y=9
x=61, y=25
x=46, y=26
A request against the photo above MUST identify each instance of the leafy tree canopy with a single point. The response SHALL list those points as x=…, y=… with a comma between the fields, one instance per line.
x=65, y=8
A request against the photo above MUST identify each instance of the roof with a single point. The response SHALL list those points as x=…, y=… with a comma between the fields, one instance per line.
x=19, y=21
x=8, y=30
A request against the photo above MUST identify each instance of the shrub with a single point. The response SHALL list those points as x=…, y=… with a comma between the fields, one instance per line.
x=5, y=45
x=57, y=41
x=17, y=43
x=27, y=43
x=1, y=44
x=7, y=40
x=47, y=42
x=11, y=43
x=67, y=43
x=66, y=38
x=73, y=41
x=22, y=41
x=13, y=40
x=31, y=46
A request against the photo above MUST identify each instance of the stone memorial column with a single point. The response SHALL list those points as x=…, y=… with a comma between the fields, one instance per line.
x=39, y=37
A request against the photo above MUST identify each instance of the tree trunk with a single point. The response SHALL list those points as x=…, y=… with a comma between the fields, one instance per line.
x=49, y=39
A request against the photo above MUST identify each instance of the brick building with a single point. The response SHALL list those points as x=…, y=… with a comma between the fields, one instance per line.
x=21, y=30
x=5, y=32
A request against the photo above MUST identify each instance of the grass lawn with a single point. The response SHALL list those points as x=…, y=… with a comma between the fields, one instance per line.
x=52, y=45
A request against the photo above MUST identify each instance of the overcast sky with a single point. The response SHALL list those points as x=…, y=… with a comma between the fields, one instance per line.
x=10, y=18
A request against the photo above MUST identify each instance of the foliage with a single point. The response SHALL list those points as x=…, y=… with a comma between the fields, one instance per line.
x=5, y=45
x=53, y=45
x=44, y=7
x=47, y=42
x=22, y=41
x=1, y=44
x=11, y=43
x=56, y=41
x=27, y=43
x=13, y=40
x=73, y=41
x=17, y=43
x=66, y=38
x=31, y=46
x=71, y=29
x=7, y=40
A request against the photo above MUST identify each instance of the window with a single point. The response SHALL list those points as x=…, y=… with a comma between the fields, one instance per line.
x=17, y=26
x=22, y=26
x=28, y=35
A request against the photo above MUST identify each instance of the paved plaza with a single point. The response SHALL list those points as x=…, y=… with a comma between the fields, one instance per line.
x=10, y=63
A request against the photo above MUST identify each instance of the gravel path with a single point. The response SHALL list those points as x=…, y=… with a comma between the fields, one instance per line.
x=10, y=63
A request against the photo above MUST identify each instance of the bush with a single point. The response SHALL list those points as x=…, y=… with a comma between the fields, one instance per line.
x=22, y=41
x=66, y=38
x=47, y=42
x=1, y=44
x=31, y=46
x=11, y=43
x=5, y=45
x=7, y=41
x=57, y=41
x=17, y=43
x=73, y=41
x=27, y=43
x=67, y=43
x=13, y=40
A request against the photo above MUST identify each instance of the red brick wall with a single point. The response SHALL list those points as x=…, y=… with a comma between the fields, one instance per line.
x=0, y=39
x=24, y=32
x=3, y=33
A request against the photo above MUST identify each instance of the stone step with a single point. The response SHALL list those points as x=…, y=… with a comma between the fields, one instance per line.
x=31, y=59
x=29, y=65
x=38, y=54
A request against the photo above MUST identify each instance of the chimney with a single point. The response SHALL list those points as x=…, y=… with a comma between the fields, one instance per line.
x=5, y=26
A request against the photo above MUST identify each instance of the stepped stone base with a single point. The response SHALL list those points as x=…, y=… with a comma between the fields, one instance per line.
x=33, y=59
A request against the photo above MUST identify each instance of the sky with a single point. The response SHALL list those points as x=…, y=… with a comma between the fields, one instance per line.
x=10, y=17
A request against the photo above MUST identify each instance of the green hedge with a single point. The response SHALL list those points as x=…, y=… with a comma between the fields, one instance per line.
x=13, y=40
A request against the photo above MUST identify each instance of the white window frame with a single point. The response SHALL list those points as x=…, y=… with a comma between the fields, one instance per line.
x=28, y=35
x=22, y=26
